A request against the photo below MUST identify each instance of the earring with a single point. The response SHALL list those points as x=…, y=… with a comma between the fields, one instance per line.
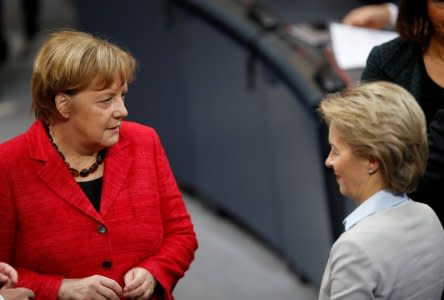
x=371, y=171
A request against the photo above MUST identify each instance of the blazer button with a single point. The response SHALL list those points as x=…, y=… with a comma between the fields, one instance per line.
x=107, y=264
x=101, y=229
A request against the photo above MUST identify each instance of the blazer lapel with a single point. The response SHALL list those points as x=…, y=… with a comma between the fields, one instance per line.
x=117, y=165
x=55, y=174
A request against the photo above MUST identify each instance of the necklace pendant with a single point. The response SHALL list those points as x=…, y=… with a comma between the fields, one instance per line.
x=84, y=172
x=74, y=172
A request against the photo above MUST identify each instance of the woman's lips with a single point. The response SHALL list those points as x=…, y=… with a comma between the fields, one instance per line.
x=114, y=129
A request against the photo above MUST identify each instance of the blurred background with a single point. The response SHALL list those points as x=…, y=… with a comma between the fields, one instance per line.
x=231, y=86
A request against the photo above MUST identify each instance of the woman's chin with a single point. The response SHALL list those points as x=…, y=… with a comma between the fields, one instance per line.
x=110, y=141
x=342, y=191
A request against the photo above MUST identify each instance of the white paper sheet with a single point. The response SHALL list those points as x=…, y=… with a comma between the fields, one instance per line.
x=352, y=45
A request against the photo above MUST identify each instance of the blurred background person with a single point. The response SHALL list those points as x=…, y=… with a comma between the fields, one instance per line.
x=3, y=39
x=375, y=16
x=31, y=13
x=8, y=280
x=415, y=61
x=99, y=210
x=376, y=166
x=31, y=18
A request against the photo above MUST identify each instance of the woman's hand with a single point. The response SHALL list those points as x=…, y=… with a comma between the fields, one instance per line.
x=139, y=284
x=16, y=294
x=93, y=287
x=370, y=16
x=8, y=276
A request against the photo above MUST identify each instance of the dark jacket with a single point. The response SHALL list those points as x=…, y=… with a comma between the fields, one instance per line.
x=396, y=61
x=400, y=62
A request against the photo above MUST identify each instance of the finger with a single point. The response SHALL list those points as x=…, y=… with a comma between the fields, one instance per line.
x=13, y=276
x=25, y=292
x=10, y=272
x=129, y=276
x=30, y=294
x=3, y=278
x=8, y=284
x=146, y=295
x=111, y=285
x=135, y=282
x=107, y=293
x=137, y=291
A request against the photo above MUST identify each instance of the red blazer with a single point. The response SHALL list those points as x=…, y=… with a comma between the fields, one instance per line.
x=50, y=230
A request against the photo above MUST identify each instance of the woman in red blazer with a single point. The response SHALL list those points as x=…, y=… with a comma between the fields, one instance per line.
x=88, y=204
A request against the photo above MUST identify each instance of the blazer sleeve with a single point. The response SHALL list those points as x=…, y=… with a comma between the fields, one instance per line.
x=44, y=286
x=352, y=274
x=7, y=217
x=177, y=250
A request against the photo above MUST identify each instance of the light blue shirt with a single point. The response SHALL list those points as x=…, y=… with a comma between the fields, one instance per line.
x=379, y=201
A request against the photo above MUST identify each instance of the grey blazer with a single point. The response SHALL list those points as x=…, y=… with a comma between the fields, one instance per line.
x=395, y=254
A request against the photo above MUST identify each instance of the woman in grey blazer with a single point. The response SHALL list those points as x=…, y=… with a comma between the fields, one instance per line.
x=392, y=246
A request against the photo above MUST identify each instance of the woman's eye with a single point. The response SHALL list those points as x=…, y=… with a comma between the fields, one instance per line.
x=106, y=100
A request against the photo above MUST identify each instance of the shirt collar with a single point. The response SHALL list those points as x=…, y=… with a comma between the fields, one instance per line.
x=376, y=203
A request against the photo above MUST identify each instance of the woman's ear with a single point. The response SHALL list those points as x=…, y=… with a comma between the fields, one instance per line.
x=62, y=104
x=373, y=165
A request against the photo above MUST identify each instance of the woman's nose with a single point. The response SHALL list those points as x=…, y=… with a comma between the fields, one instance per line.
x=120, y=110
x=328, y=162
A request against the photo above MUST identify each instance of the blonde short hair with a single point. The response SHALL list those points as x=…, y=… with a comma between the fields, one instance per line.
x=382, y=120
x=68, y=62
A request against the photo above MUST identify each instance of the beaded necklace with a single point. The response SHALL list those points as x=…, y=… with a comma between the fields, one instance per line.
x=84, y=172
